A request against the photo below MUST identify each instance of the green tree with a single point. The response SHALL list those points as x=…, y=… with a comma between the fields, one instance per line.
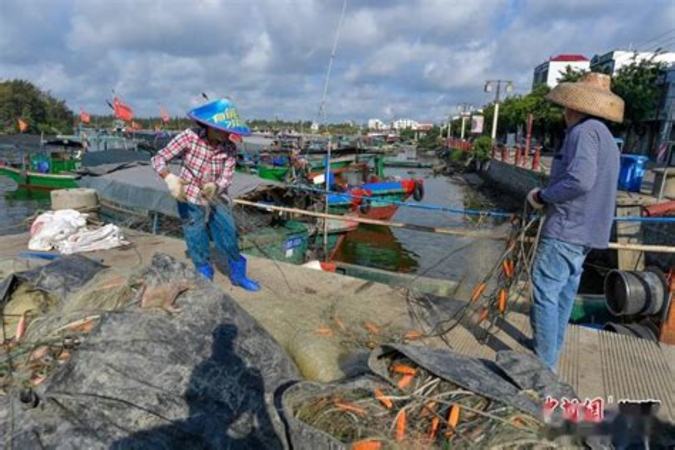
x=636, y=84
x=42, y=111
x=406, y=134
x=547, y=123
x=430, y=140
x=571, y=74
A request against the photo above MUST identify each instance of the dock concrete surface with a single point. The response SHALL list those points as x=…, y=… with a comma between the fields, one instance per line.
x=321, y=318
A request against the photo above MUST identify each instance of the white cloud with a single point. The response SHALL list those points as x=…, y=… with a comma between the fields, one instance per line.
x=413, y=58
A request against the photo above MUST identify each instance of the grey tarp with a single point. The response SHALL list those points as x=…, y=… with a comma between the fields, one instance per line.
x=137, y=186
x=484, y=377
x=114, y=156
x=206, y=377
x=61, y=277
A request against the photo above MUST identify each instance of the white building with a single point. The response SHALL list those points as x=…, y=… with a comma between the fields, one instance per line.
x=549, y=72
x=612, y=61
x=376, y=124
x=402, y=124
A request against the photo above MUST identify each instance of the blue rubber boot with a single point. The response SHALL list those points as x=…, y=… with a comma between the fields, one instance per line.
x=238, y=275
x=206, y=271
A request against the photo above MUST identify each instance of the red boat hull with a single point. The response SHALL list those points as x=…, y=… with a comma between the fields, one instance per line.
x=380, y=212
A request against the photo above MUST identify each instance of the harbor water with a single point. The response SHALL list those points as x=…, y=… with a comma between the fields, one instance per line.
x=392, y=249
x=16, y=205
x=423, y=253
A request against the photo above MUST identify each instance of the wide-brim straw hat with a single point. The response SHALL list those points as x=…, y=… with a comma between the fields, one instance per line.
x=590, y=95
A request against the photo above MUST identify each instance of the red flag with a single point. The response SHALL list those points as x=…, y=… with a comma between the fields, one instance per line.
x=122, y=111
x=164, y=115
x=23, y=125
x=84, y=116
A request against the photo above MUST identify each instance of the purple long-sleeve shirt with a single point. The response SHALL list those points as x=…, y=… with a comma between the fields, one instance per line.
x=581, y=194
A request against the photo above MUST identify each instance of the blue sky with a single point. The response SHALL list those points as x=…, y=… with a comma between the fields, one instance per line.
x=396, y=58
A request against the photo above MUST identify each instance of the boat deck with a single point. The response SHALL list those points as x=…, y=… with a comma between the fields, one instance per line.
x=595, y=363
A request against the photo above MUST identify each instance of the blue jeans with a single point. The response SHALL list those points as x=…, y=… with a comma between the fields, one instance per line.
x=196, y=230
x=556, y=273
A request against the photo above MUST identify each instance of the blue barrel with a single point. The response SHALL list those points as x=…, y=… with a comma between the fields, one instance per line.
x=631, y=172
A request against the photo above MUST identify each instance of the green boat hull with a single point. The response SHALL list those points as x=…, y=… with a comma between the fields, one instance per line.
x=320, y=165
x=278, y=173
x=274, y=173
x=35, y=180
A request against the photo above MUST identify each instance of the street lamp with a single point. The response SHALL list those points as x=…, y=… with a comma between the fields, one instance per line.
x=464, y=111
x=451, y=119
x=508, y=85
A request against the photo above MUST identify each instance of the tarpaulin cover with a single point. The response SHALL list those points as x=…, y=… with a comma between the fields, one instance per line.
x=205, y=377
x=59, y=278
x=138, y=186
x=114, y=156
x=383, y=186
x=492, y=380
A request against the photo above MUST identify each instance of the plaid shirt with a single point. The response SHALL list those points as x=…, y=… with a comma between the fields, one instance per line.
x=206, y=163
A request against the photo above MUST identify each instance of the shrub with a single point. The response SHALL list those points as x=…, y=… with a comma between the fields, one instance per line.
x=457, y=155
x=481, y=148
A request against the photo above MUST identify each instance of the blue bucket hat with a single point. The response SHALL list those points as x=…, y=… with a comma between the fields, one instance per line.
x=221, y=115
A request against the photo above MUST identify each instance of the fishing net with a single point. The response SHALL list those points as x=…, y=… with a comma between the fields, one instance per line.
x=439, y=399
x=485, y=296
x=329, y=334
x=156, y=359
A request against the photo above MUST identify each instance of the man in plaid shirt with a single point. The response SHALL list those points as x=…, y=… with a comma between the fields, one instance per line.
x=209, y=158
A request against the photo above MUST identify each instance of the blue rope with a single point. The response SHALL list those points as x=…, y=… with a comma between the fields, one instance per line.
x=469, y=211
x=644, y=219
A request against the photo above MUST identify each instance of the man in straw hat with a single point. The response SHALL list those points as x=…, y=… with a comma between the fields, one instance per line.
x=579, y=204
x=209, y=156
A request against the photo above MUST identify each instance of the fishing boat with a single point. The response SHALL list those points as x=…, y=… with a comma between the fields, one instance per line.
x=278, y=167
x=132, y=195
x=405, y=164
x=117, y=138
x=376, y=200
x=368, y=195
x=51, y=167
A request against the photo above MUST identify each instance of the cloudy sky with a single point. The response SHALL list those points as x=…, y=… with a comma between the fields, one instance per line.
x=395, y=58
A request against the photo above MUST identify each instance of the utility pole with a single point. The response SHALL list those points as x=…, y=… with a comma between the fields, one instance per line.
x=508, y=85
x=464, y=110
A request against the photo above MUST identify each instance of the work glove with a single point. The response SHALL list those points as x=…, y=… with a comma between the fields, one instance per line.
x=209, y=191
x=176, y=187
x=534, y=199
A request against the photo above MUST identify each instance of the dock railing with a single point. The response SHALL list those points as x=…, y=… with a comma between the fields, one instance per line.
x=518, y=156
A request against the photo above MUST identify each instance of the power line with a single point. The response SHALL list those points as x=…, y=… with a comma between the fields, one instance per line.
x=655, y=38
x=322, y=106
x=662, y=44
